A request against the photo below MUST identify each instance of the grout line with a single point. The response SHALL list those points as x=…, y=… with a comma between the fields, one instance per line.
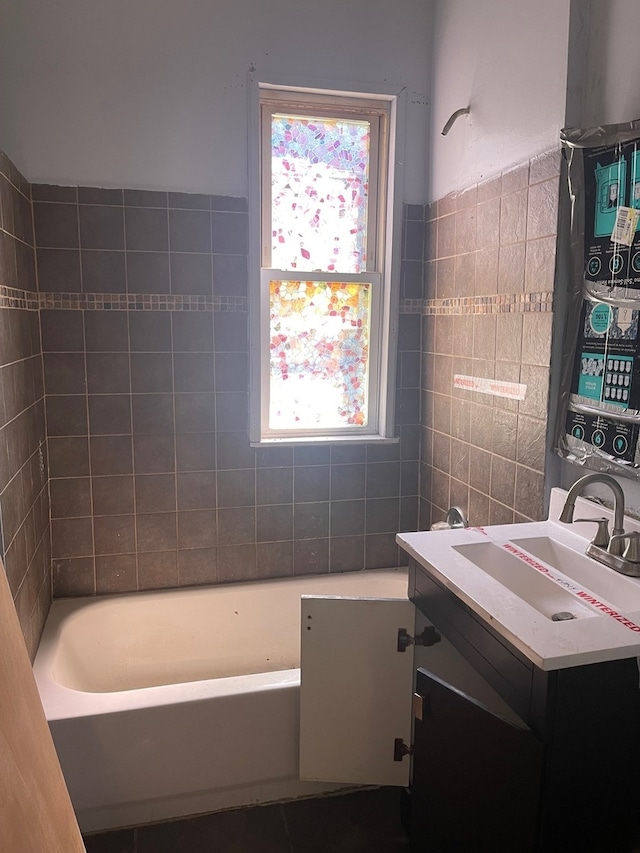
x=175, y=440
x=286, y=827
x=89, y=473
x=132, y=445
x=86, y=396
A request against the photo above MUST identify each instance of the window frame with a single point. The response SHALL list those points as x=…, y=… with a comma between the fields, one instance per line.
x=382, y=265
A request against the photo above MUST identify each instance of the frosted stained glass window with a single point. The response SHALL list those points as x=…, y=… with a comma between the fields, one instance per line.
x=320, y=181
x=322, y=338
x=319, y=348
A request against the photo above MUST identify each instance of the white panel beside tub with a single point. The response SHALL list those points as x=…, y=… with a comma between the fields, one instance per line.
x=355, y=691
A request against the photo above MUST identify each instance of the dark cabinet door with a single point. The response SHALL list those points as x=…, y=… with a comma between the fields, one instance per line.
x=476, y=776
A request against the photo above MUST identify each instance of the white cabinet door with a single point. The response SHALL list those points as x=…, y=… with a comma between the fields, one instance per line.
x=356, y=689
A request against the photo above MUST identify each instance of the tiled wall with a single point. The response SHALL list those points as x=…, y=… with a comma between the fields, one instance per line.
x=143, y=302
x=489, y=277
x=153, y=482
x=24, y=503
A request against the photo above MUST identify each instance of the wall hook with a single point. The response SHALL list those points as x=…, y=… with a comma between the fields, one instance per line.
x=463, y=112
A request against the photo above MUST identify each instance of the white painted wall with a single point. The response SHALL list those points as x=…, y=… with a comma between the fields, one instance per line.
x=612, y=93
x=508, y=60
x=152, y=93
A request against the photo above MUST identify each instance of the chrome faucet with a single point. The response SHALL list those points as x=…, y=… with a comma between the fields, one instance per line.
x=606, y=549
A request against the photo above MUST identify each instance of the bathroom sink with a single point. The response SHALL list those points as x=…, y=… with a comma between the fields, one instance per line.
x=620, y=591
x=518, y=577
x=537, y=590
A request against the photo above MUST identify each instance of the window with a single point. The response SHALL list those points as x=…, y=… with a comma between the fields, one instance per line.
x=321, y=325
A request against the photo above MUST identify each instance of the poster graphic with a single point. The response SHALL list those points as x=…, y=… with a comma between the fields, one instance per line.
x=604, y=369
x=598, y=422
x=612, y=217
x=588, y=432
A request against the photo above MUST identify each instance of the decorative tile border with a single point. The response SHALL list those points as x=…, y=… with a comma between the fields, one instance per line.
x=499, y=303
x=26, y=300
x=141, y=302
x=14, y=298
x=411, y=306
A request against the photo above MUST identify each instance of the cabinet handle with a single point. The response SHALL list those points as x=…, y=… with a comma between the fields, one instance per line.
x=429, y=637
x=421, y=706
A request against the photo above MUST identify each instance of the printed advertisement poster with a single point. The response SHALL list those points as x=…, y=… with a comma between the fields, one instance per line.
x=605, y=370
x=616, y=439
x=598, y=422
x=612, y=217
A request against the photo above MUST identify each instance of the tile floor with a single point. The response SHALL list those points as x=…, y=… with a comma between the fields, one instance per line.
x=360, y=822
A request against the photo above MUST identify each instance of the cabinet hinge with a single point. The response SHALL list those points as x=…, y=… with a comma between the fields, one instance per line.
x=400, y=749
x=429, y=637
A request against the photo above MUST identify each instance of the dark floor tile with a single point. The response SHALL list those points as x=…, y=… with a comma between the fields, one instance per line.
x=254, y=830
x=361, y=822
x=120, y=841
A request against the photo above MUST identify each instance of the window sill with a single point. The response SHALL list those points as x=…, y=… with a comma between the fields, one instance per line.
x=301, y=441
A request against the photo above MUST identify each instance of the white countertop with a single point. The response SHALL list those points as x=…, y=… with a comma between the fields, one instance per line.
x=601, y=630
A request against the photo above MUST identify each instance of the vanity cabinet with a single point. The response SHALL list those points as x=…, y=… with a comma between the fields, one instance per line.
x=505, y=757
x=566, y=779
x=476, y=776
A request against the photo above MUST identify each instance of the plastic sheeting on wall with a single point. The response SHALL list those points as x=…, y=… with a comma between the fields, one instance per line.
x=599, y=416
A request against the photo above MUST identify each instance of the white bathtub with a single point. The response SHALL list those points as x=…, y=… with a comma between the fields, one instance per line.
x=176, y=702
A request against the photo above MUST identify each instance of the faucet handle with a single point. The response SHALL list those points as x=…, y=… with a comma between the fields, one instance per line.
x=632, y=551
x=601, y=538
